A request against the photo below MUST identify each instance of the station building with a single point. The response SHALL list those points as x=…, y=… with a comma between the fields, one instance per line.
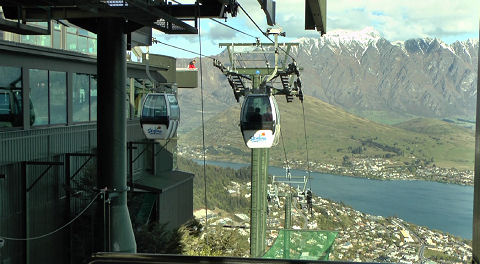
x=48, y=139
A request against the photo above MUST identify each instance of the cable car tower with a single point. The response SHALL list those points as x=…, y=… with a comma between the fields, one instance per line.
x=260, y=116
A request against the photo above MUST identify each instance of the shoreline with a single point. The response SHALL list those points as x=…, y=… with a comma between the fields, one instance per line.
x=344, y=171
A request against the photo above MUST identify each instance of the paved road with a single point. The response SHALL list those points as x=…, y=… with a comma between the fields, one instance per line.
x=421, y=250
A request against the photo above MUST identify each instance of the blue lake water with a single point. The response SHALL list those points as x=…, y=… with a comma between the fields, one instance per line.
x=446, y=207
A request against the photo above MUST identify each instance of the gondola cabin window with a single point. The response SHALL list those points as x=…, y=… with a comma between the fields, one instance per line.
x=11, y=113
x=154, y=107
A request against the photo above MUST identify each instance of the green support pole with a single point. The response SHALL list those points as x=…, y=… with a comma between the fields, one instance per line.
x=288, y=225
x=114, y=232
x=288, y=211
x=258, y=217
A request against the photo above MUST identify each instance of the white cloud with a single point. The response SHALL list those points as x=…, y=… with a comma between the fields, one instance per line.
x=448, y=20
x=400, y=20
x=220, y=32
x=395, y=20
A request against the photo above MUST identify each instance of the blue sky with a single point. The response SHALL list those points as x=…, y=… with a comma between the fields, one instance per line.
x=448, y=20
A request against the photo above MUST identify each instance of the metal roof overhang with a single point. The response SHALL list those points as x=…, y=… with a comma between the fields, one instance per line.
x=159, y=15
x=316, y=15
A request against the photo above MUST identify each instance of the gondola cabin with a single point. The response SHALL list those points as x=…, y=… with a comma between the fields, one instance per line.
x=160, y=115
x=11, y=112
x=260, y=121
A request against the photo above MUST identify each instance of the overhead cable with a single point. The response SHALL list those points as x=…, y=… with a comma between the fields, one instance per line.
x=203, y=134
x=56, y=230
x=156, y=41
x=251, y=19
x=284, y=150
x=223, y=24
x=238, y=30
x=306, y=146
x=265, y=34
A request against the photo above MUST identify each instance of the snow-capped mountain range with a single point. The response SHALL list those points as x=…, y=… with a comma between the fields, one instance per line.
x=363, y=72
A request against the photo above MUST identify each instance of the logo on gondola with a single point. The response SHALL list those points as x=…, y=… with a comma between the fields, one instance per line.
x=155, y=131
x=259, y=138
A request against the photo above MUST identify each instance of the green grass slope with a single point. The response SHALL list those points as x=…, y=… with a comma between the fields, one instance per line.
x=334, y=133
x=433, y=127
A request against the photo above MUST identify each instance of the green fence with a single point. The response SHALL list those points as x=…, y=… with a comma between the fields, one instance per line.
x=302, y=244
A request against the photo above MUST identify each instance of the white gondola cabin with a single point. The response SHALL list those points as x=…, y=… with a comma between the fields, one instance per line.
x=160, y=115
x=260, y=121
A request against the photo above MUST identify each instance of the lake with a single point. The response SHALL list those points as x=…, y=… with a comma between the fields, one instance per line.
x=446, y=207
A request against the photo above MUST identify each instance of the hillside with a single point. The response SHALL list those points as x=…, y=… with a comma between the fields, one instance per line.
x=333, y=134
x=433, y=127
x=388, y=82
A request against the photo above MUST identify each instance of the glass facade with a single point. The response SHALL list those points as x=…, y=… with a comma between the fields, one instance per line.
x=61, y=37
x=81, y=97
x=93, y=97
x=84, y=97
x=80, y=40
x=58, y=97
x=57, y=39
x=48, y=92
x=48, y=97
x=39, y=95
x=11, y=114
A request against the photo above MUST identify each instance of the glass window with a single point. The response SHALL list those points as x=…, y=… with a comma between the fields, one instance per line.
x=57, y=25
x=39, y=95
x=174, y=109
x=44, y=40
x=82, y=32
x=71, y=30
x=11, y=97
x=154, y=106
x=82, y=44
x=71, y=42
x=10, y=77
x=93, y=98
x=172, y=99
x=28, y=39
x=57, y=39
x=92, y=46
x=257, y=108
x=58, y=97
x=81, y=97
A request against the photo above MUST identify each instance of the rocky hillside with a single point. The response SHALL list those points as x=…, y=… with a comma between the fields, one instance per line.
x=367, y=75
x=364, y=73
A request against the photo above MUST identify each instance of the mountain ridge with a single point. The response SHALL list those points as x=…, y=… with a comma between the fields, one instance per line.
x=332, y=134
x=385, y=81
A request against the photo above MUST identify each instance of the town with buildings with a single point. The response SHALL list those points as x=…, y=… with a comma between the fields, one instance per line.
x=361, y=237
x=372, y=168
